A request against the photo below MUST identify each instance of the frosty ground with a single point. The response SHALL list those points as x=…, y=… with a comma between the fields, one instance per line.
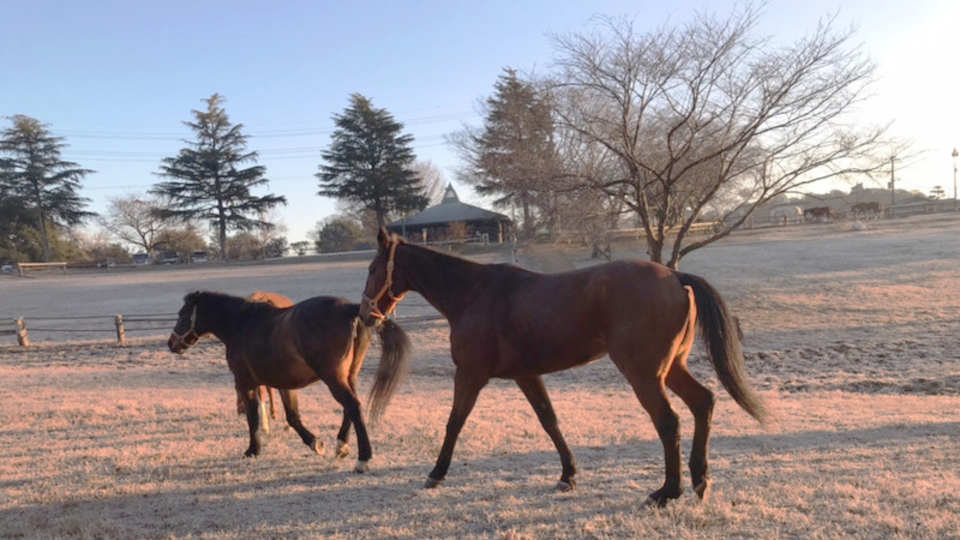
x=851, y=336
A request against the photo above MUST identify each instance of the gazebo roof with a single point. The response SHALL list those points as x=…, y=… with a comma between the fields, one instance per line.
x=449, y=210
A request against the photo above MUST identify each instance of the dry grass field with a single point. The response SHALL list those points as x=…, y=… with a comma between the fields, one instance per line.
x=852, y=337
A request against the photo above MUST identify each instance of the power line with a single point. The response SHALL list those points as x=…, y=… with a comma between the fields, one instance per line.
x=144, y=157
x=258, y=134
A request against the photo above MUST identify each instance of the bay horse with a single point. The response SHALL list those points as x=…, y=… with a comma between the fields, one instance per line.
x=511, y=323
x=320, y=338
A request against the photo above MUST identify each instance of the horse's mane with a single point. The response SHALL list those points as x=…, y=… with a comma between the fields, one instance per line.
x=243, y=306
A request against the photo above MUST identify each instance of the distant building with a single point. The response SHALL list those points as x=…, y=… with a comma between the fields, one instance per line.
x=453, y=220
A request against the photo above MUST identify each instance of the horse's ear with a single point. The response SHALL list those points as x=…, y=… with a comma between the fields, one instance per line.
x=383, y=237
x=191, y=298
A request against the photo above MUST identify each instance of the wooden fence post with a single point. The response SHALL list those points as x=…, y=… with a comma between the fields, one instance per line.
x=22, y=337
x=121, y=333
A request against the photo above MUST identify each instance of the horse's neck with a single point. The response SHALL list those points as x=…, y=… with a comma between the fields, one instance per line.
x=443, y=280
x=224, y=314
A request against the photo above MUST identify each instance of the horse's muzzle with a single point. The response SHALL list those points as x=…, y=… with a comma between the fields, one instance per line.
x=176, y=345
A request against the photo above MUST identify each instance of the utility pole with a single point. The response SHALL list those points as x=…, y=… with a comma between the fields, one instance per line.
x=955, y=154
x=893, y=189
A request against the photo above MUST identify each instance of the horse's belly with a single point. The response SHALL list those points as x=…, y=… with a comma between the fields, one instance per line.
x=286, y=377
x=538, y=360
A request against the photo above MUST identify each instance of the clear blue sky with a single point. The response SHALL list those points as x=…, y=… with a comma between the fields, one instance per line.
x=118, y=78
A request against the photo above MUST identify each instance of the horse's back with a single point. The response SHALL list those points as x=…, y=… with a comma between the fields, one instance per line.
x=328, y=307
x=549, y=322
x=277, y=300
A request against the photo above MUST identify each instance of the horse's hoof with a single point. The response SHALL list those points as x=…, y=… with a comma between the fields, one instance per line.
x=251, y=453
x=661, y=497
x=343, y=449
x=317, y=446
x=361, y=467
x=432, y=483
x=564, y=485
x=703, y=489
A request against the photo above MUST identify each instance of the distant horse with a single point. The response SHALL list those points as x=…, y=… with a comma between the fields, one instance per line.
x=320, y=338
x=511, y=323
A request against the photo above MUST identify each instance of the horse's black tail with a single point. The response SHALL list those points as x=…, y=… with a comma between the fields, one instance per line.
x=393, y=366
x=720, y=334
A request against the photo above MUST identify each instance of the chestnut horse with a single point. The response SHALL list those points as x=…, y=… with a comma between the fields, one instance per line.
x=282, y=302
x=511, y=323
x=320, y=338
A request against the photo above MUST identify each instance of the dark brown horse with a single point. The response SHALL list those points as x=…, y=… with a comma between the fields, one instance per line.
x=318, y=339
x=511, y=323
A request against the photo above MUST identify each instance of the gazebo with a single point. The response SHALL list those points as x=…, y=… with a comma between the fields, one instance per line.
x=453, y=220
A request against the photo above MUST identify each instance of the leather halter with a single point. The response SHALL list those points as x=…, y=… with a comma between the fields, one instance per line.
x=374, y=311
x=182, y=338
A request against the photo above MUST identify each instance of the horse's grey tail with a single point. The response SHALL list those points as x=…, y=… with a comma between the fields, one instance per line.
x=720, y=334
x=393, y=366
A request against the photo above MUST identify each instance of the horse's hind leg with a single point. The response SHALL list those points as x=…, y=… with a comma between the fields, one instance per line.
x=343, y=446
x=252, y=407
x=351, y=408
x=700, y=400
x=536, y=394
x=263, y=391
x=653, y=397
x=291, y=409
x=357, y=353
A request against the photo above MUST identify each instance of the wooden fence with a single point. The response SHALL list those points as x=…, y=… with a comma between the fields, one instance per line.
x=23, y=267
x=143, y=322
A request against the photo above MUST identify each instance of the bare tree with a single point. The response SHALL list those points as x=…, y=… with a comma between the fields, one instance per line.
x=433, y=180
x=707, y=111
x=271, y=236
x=134, y=220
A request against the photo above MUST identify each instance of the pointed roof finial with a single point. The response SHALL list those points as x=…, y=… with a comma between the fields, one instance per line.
x=450, y=195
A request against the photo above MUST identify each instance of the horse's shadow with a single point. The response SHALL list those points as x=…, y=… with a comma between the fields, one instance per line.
x=322, y=497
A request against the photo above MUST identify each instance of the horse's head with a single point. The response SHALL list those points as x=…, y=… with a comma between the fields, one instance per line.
x=189, y=327
x=386, y=284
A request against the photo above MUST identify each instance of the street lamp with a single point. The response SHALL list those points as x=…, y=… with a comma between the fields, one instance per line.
x=954, y=154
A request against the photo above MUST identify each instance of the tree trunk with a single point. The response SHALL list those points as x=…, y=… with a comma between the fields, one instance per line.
x=527, y=219
x=222, y=226
x=655, y=249
x=45, y=239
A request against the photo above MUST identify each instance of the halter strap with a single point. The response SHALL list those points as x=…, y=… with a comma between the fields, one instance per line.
x=191, y=331
x=385, y=289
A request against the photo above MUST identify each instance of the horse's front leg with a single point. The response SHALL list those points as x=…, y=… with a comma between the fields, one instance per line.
x=466, y=388
x=251, y=398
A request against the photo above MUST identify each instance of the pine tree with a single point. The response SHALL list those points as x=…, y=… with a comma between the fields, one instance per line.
x=369, y=162
x=35, y=179
x=512, y=156
x=208, y=180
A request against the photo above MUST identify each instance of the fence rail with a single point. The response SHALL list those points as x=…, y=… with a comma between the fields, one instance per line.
x=23, y=267
x=120, y=325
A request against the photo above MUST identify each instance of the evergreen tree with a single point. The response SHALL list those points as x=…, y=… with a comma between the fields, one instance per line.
x=34, y=180
x=369, y=162
x=208, y=179
x=513, y=155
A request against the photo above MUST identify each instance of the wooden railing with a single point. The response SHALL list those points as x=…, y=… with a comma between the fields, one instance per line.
x=143, y=322
x=22, y=267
